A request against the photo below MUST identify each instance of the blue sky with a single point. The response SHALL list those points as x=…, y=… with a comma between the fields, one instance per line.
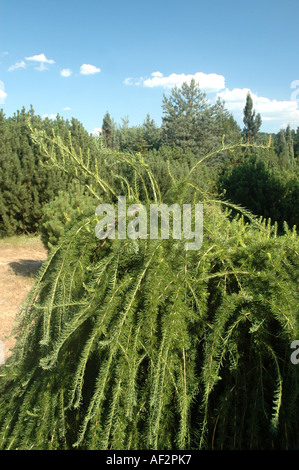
x=83, y=58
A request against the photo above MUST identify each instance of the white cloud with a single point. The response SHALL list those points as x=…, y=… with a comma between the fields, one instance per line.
x=87, y=69
x=41, y=67
x=128, y=81
x=49, y=116
x=3, y=95
x=66, y=72
x=279, y=112
x=18, y=65
x=97, y=131
x=132, y=81
x=209, y=83
x=67, y=108
x=40, y=58
x=236, y=98
x=275, y=113
x=157, y=74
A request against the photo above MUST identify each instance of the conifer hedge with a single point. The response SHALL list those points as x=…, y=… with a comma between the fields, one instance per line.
x=26, y=183
x=140, y=344
x=61, y=213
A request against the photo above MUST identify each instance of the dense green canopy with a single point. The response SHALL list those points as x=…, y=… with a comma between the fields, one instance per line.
x=140, y=344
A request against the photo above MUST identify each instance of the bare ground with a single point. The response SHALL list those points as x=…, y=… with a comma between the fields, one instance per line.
x=20, y=259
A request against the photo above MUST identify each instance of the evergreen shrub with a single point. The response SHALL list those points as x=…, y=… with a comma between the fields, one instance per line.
x=27, y=184
x=139, y=344
x=59, y=215
x=262, y=190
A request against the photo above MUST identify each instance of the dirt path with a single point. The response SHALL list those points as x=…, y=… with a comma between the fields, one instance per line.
x=20, y=259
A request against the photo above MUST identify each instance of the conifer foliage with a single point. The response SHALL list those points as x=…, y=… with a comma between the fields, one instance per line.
x=26, y=183
x=140, y=344
x=252, y=121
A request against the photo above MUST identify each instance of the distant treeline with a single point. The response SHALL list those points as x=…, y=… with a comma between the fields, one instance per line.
x=265, y=181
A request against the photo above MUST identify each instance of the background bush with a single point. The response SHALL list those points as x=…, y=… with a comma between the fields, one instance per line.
x=262, y=190
x=59, y=215
x=27, y=184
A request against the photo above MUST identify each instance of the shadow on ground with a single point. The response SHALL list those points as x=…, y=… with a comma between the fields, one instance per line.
x=25, y=267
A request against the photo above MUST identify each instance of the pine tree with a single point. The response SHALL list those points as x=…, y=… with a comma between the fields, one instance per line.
x=11, y=177
x=253, y=185
x=187, y=119
x=226, y=125
x=151, y=133
x=26, y=183
x=296, y=144
x=285, y=150
x=290, y=145
x=252, y=122
x=108, y=130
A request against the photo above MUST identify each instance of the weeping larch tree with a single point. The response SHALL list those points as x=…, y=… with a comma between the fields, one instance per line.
x=141, y=344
